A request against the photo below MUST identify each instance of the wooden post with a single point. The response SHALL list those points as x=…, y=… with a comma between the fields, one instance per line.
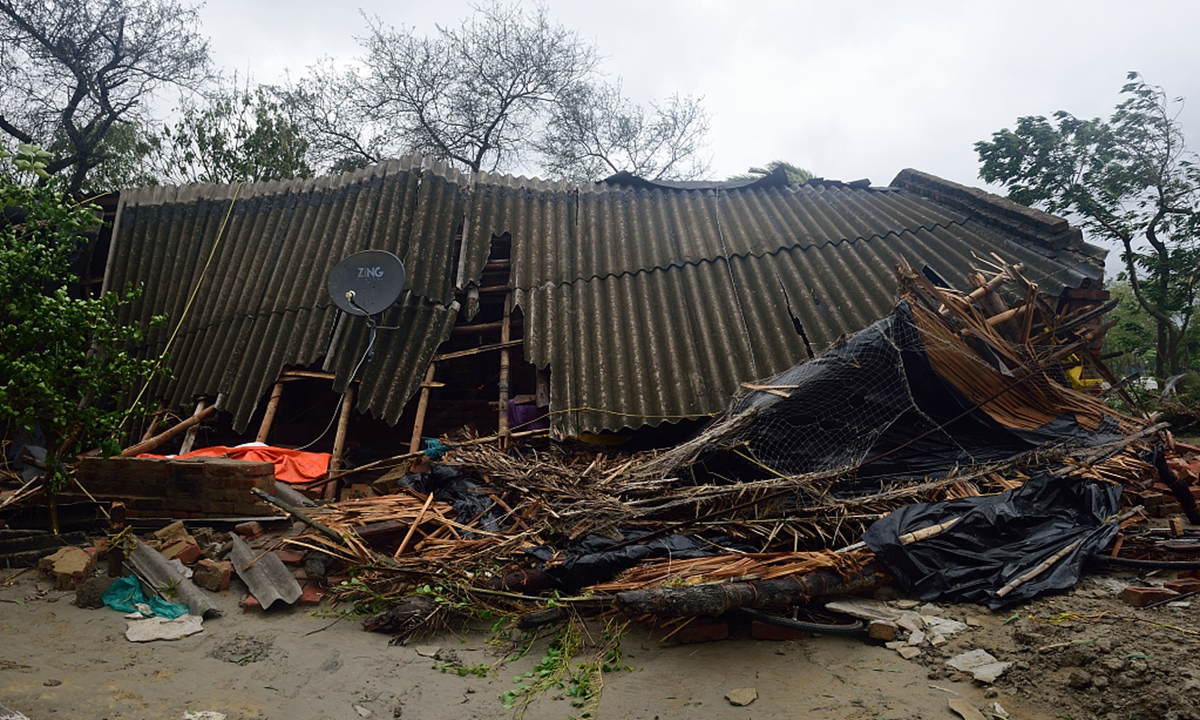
x=422, y=406
x=155, y=419
x=116, y=555
x=167, y=434
x=339, y=440
x=264, y=428
x=505, y=331
x=190, y=439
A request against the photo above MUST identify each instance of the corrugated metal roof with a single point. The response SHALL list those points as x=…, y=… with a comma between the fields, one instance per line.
x=262, y=305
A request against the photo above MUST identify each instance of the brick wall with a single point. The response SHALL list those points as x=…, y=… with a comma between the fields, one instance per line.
x=195, y=488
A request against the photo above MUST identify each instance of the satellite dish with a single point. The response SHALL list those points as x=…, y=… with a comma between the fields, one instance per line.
x=367, y=282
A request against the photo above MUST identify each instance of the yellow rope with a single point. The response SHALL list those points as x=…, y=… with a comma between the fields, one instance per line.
x=186, y=308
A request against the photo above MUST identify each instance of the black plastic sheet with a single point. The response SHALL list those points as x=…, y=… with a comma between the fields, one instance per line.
x=998, y=539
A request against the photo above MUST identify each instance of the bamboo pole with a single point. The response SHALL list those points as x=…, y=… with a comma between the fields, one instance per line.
x=264, y=428
x=189, y=440
x=155, y=419
x=422, y=407
x=505, y=332
x=166, y=435
x=339, y=440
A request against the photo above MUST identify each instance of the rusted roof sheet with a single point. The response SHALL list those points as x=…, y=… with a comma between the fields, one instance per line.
x=242, y=271
x=653, y=305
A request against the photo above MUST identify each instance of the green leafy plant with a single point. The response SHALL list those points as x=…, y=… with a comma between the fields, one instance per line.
x=64, y=356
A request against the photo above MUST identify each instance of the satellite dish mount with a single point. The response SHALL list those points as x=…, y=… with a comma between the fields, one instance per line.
x=365, y=284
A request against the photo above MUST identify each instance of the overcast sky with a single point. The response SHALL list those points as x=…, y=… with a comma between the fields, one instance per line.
x=846, y=90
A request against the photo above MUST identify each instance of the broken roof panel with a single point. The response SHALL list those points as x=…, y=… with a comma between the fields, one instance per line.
x=653, y=305
x=241, y=269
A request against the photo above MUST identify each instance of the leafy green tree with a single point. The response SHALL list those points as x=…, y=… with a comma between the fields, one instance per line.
x=796, y=175
x=237, y=133
x=74, y=71
x=63, y=361
x=1130, y=180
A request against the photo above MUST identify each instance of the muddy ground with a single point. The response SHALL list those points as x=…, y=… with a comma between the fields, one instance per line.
x=1079, y=655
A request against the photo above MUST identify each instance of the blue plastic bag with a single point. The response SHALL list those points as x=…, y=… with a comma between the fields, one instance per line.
x=126, y=593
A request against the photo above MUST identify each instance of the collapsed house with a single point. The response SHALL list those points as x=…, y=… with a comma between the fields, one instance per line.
x=610, y=306
x=896, y=373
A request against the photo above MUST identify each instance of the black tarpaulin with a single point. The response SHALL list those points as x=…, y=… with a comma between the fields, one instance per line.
x=997, y=539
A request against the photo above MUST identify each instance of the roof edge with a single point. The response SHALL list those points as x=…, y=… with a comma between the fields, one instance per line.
x=1042, y=228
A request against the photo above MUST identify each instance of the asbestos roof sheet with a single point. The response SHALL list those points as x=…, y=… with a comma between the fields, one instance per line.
x=651, y=306
x=649, y=303
x=240, y=273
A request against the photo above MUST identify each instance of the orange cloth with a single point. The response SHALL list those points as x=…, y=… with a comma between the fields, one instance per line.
x=291, y=466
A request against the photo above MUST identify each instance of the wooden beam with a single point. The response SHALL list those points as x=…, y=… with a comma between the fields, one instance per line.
x=162, y=437
x=189, y=440
x=476, y=350
x=339, y=441
x=505, y=331
x=155, y=419
x=414, y=444
x=264, y=428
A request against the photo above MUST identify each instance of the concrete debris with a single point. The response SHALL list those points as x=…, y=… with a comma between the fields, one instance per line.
x=966, y=710
x=68, y=567
x=981, y=664
x=157, y=628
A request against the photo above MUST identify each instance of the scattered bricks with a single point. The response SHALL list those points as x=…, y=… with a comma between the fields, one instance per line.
x=212, y=575
x=251, y=604
x=290, y=557
x=884, y=630
x=313, y=594
x=249, y=530
x=1143, y=596
x=173, y=530
x=1183, y=585
x=69, y=567
x=1185, y=574
x=760, y=630
x=703, y=630
x=184, y=549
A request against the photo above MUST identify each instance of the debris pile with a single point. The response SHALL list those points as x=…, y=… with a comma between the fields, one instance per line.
x=958, y=449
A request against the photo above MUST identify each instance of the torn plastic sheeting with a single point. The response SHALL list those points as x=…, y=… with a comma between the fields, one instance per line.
x=126, y=594
x=590, y=562
x=291, y=466
x=264, y=573
x=877, y=395
x=997, y=539
x=451, y=485
x=158, y=572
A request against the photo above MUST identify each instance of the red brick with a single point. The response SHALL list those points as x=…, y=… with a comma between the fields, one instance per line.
x=1183, y=585
x=312, y=595
x=185, y=550
x=1143, y=596
x=290, y=557
x=250, y=529
x=703, y=630
x=251, y=604
x=1184, y=574
x=212, y=575
x=766, y=631
x=1168, y=508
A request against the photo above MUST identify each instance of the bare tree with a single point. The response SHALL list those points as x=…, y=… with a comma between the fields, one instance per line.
x=596, y=131
x=505, y=87
x=71, y=71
